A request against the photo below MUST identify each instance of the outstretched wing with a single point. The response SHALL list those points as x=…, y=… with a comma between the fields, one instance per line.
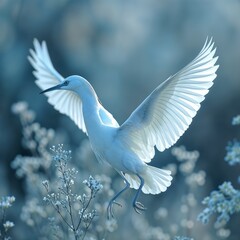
x=65, y=102
x=168, y=111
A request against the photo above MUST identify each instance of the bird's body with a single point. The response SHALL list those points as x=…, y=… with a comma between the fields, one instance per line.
x=103, y=131
x=159, y=121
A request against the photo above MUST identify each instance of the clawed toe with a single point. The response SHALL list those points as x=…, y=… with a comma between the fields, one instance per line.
x=110, y=209
x=138, y=207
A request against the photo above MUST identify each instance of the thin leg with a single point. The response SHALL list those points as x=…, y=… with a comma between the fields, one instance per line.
x=112, y=201
x=138, y=207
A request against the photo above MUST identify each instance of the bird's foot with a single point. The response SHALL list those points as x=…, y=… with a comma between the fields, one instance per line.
x=110, y=209
x=138, y=207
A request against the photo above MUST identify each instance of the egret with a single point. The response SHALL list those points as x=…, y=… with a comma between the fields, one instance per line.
x=159, y=121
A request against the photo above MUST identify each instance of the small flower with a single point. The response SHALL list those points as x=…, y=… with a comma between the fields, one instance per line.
x=93, y=184
x=88, y=217
x=79, y=198
x=11, y=199
x=19, y=107
x=225, y=202
x=6, y=202
x=7, y=225
x=236, y=120
x=233, y=152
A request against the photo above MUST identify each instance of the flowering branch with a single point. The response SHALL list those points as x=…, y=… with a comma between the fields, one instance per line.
x=64, y=200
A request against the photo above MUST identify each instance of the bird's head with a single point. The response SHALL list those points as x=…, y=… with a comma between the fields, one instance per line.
x=70, y=83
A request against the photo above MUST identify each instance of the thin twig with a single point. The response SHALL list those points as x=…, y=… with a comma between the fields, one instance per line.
x=85, y=208
x=86, y=229
x=58, y=211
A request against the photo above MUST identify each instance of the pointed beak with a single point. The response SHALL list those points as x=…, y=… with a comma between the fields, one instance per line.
x=57, y=87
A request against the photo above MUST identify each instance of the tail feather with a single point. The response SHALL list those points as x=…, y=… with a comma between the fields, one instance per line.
x=156, y=180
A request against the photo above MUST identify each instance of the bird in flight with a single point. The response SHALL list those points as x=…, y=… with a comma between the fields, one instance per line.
x=159, y=121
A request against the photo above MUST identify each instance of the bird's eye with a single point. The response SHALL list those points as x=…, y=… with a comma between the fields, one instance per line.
x=66, y=82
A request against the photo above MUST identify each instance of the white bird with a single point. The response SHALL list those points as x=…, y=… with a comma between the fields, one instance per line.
x=160, y=120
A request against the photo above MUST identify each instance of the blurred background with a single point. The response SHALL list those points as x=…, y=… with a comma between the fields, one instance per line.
x=124, y=49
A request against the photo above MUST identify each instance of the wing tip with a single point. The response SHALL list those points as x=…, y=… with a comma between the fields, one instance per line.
x=39, y=47
x=208, y=45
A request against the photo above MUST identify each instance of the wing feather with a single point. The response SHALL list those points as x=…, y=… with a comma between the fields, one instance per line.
x=168, y=111
x=65, y=102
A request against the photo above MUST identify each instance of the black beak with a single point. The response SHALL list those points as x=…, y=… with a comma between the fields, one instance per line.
x=57, y=87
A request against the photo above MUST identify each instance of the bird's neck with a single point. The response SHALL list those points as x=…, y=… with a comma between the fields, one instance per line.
x=90, y=107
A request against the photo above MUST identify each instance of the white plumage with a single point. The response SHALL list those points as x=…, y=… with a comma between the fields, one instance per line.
x=160, y=120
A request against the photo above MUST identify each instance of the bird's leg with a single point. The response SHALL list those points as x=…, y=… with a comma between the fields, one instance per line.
x=112, y=201
x=138, y=207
